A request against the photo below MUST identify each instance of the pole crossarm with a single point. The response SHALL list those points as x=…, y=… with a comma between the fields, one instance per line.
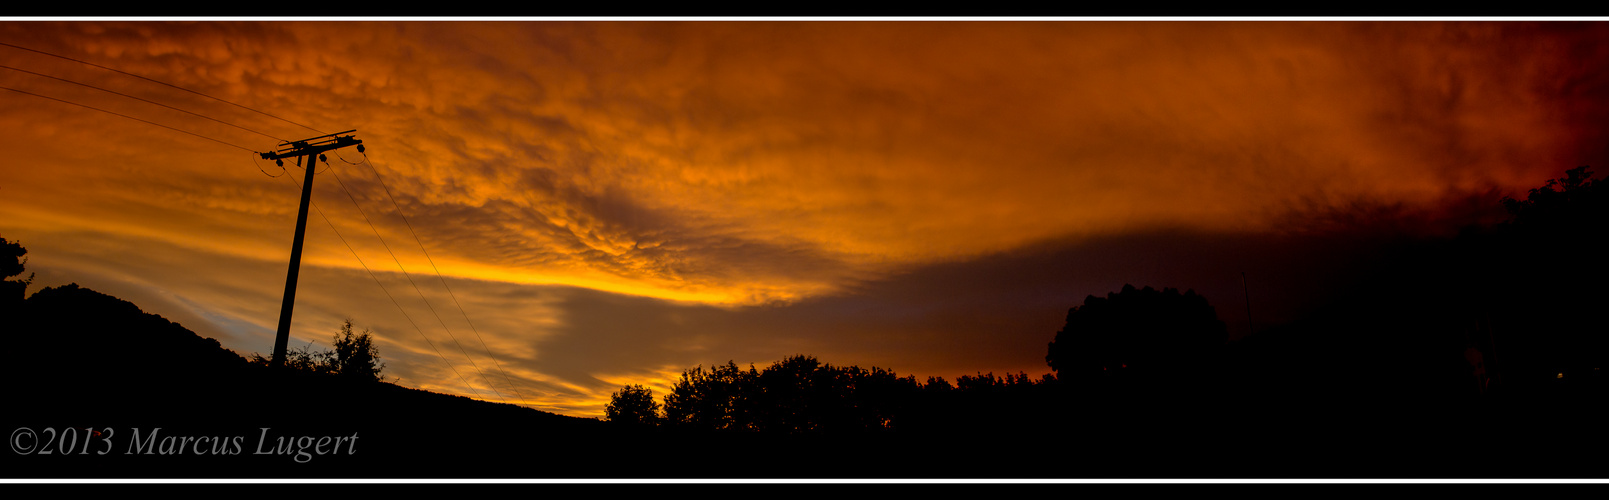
x=313, y=145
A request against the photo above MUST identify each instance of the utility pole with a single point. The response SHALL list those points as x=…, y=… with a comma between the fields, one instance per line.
x=312, y=149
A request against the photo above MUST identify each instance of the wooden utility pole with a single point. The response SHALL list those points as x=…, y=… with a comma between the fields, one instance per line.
x=312, y=149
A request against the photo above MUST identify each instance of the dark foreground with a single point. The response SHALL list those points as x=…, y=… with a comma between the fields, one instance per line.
x=96, y=388
x=314, y=429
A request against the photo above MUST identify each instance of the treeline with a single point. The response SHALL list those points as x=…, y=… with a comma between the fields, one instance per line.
x=1512, y=311
x=1454, y=334
x=801, y=394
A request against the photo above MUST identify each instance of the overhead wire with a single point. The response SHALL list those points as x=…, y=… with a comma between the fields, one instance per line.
x=80, y=61
x=147, y=122
x=148, y=101
x=388, y=293
x=282, y=169
x=350, y=162
x=439, y=276
x=405, y=273
x=293, y=180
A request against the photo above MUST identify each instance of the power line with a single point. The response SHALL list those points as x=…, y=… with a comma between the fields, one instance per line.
x=389, y=296
x=143, y=100
x=450, y=293
x=129, y=117
x=264, y=113
x=282, y=170
x=411, y=282
x=311, y=149
x=320, y=211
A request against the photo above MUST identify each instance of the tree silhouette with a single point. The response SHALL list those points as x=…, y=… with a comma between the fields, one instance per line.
x=632, y=404
x=355, y=354
x=794, y=393
x=799, y=394
x=1578, y=199
x=1140, y=336
x=13, y=258
x=715, y=399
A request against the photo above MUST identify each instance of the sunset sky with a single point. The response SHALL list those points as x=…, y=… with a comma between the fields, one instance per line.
x=614, y=202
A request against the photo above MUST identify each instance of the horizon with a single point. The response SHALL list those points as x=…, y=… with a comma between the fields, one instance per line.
x=614, y=203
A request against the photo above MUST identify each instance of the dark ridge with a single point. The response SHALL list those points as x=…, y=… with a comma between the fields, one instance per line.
x=81, y=359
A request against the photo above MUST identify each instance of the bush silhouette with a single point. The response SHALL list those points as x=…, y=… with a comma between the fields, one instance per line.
x=355, y=356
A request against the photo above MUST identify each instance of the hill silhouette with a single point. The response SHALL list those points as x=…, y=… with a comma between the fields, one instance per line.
x=172, y=404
